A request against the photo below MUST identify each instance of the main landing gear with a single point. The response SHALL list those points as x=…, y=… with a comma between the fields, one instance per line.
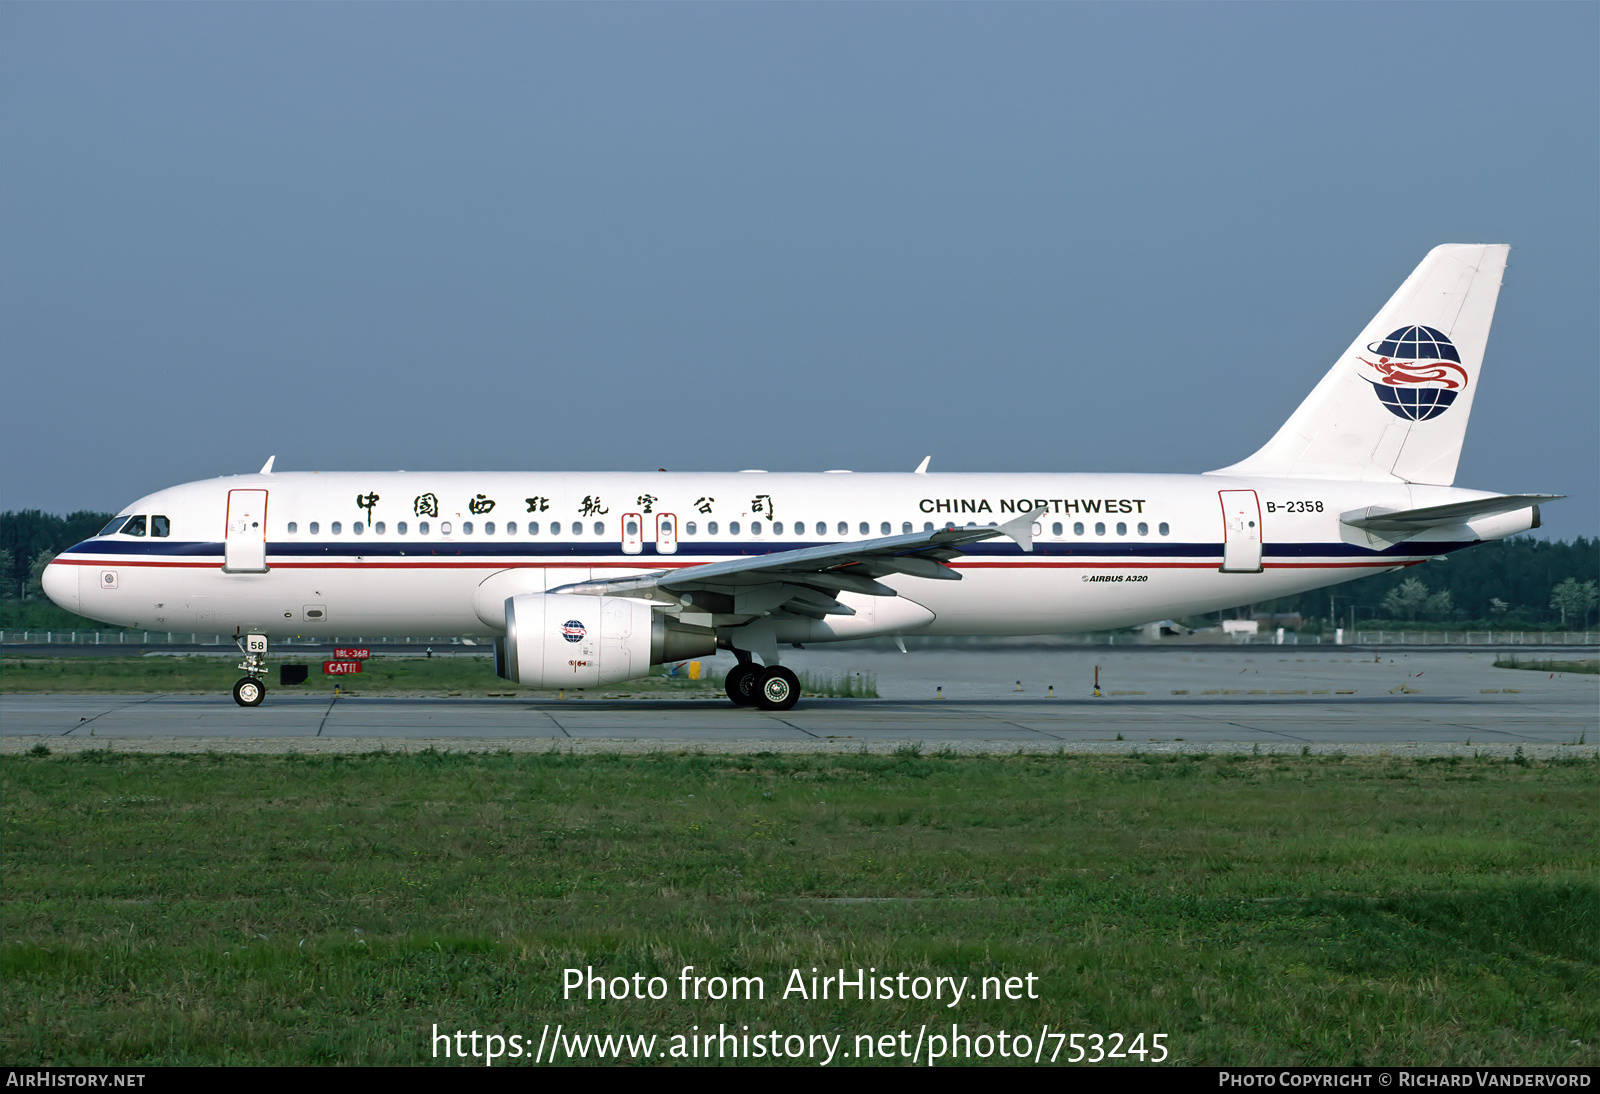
x=773, y=688
x=250, y=691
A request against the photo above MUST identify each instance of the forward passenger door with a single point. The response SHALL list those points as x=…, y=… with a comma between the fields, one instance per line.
x=244, y=550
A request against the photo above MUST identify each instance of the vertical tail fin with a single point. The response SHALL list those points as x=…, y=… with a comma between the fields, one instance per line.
x=1394, y=406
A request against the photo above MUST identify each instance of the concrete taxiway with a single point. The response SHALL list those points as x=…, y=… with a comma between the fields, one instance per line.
x=1267, y=698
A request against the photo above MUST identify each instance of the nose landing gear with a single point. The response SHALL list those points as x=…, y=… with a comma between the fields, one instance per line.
x=249, y=691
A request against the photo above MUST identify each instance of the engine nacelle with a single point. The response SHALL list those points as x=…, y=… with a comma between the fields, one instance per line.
x=557, y=640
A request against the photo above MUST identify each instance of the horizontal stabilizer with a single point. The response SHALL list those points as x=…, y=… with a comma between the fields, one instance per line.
x=1376, y=519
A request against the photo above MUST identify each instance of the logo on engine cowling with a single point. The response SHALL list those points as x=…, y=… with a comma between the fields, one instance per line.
x=573, y=631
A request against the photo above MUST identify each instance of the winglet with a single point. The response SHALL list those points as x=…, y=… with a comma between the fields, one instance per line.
x=1021, y=528
x=266, y=468
x=922, y=468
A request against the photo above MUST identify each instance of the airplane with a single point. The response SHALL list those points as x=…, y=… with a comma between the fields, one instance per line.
x=589, y=579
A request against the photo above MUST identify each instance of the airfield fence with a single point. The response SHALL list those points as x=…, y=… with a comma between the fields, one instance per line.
x=187, y=638
x=1473, y=638
x=1265, y=638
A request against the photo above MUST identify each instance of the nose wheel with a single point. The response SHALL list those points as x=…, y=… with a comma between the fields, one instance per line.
x=249, y=692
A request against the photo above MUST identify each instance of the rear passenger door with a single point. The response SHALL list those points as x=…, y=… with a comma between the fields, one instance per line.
x=1241, y=532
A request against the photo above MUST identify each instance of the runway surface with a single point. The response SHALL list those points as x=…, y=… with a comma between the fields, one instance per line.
x=1274, y=698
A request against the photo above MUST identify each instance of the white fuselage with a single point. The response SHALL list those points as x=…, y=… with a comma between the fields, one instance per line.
x=325, y=554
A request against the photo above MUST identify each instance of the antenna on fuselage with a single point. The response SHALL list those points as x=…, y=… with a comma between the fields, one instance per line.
x=922, y=468
x=266, y=468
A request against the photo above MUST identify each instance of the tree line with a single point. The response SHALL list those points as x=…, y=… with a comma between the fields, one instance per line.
x=1520, y=583
x=29, y=539
x=1510, y=584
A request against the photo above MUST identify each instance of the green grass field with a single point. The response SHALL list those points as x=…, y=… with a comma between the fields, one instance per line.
x=1590, y=666
x=1252, y=909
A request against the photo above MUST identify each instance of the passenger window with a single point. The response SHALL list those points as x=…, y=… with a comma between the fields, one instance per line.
x=357, y=528
x=488, y=527
x=905, y=528
x=1144, y=529
x=135, y=527
x=927, y=526
x=883, y=529
x=711, y=527
x=315, y=527
x=466, y=527
x=422, y=527
x=293, y=528
x=511, y=528
x=444, y=528
x=630, y=528
x=755, y=528
x=777, y=527
x=733, y=527
x=533, y=527
x=1162, y=528
x=110, y=529
x=400, y=528
x=378, y=528
x=577, y=528
x=599, y=527
x=335, y=527
x=555, y=528
x=1122, y=529
x=160, y=526
x=1055, y=529
x=844, y=529
x=864, y=527
x=1077, y=528
x=1099, y=528
x=689, y=528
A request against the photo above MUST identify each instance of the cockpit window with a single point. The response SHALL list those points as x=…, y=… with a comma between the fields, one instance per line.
x=160, y=526
x=134, y=527
x=111, y=529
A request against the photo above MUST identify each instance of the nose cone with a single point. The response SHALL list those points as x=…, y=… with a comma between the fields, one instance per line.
x=60, y=583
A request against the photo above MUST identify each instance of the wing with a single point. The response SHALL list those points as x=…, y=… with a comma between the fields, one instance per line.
x=806, y=583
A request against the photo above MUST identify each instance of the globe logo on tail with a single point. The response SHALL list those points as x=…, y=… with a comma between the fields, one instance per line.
x=1419, y=373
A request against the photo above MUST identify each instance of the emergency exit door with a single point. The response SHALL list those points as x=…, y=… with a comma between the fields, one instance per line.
x=244, y=550
x=632, y=533
x=666, y=534
x=1241, y=532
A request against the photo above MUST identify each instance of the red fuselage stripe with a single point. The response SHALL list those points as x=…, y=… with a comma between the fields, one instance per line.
x=504, y=565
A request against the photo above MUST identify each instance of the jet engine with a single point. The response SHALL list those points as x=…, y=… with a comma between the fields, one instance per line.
x=557, y=640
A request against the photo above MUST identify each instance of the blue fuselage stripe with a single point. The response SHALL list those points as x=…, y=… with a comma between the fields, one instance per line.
x=525, y=549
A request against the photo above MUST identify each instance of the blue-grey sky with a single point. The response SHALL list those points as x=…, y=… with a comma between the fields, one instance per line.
x=1074, y=237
